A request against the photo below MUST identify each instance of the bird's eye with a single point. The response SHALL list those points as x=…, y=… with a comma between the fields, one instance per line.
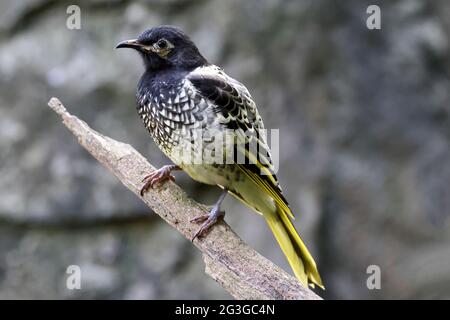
x=162, y=44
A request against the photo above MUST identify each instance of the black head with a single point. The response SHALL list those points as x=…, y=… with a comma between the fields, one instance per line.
x=166, y=47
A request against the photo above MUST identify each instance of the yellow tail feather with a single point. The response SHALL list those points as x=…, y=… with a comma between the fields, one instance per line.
x=298, y=256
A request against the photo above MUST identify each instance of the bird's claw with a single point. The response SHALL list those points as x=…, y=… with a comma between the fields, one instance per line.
x=155, y=177
x=208, y=220
x=200, y=218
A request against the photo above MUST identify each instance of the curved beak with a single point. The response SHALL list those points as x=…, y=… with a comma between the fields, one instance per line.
x=133, y=43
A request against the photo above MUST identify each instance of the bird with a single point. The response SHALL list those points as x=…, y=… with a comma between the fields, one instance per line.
x=188, y=104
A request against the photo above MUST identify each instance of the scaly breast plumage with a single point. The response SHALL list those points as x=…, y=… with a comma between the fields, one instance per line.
x=172, y=115
x=169, y=126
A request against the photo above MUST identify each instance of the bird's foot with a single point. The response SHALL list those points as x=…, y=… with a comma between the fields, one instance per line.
x=208, y=220
x=157, y=176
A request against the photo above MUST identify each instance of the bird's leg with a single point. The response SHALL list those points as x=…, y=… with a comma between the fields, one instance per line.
x=210, y=218
x=159, y=175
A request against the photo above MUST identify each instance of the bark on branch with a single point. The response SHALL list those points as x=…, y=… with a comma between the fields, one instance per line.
x=240, y=270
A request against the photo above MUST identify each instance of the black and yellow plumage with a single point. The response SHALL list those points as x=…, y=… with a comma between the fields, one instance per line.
x=181, y=93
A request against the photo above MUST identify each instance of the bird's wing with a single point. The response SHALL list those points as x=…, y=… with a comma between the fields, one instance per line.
x=235, y=109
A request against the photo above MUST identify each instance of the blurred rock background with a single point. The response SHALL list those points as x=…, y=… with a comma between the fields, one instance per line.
x=364, y=144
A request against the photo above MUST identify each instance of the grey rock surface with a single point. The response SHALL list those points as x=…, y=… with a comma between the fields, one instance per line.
x=364, y=144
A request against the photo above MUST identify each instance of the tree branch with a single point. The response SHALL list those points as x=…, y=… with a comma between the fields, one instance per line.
x=240, y=270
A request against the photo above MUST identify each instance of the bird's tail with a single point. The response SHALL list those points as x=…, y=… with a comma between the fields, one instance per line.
x=298, y=256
